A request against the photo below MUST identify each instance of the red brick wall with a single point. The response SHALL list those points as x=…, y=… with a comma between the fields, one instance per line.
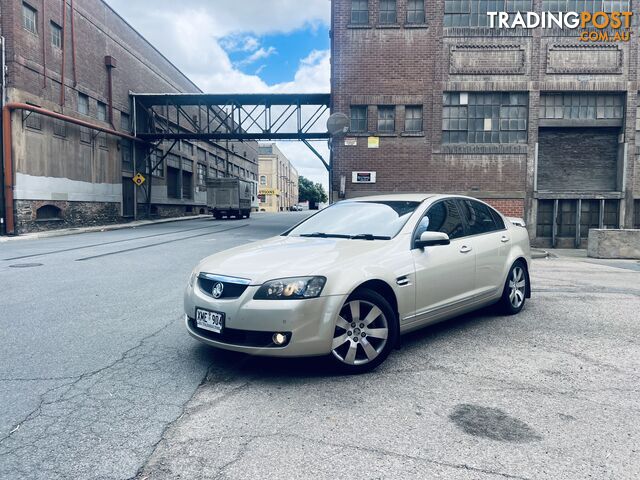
x=509, y=208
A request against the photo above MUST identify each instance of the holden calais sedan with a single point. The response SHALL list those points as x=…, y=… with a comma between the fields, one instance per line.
x=349, y=280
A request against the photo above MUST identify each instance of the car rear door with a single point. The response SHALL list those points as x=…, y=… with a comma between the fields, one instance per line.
x=445, y=275
x=488, y=236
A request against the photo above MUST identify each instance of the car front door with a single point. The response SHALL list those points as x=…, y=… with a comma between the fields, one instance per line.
x=445, y=275
x=488, y=235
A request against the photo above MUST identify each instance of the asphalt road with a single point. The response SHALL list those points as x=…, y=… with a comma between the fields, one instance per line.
x=95, y=362
x=99, y=380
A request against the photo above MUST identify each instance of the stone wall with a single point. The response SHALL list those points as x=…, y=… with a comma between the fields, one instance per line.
x=72, y=214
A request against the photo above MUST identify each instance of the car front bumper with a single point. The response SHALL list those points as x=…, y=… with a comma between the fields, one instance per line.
x=309, y=323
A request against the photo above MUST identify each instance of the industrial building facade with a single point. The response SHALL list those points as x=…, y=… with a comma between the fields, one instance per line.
x=536, y=122
x=278, y=188
x=80, y=59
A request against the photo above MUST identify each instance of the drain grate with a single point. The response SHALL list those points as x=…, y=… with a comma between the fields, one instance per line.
x=26, y=265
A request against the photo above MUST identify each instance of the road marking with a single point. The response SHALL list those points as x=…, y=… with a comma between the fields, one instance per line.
x=158, y=244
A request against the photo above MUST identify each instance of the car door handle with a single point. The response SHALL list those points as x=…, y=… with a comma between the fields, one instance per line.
x=465, y=249
x=505, y=239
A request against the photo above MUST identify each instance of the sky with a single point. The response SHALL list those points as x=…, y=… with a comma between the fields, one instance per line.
x=244, y=46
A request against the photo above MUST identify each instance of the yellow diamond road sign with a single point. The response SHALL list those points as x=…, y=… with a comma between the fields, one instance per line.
x=139, y=179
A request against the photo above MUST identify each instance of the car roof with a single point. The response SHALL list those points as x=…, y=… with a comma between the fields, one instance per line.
x=395, y=197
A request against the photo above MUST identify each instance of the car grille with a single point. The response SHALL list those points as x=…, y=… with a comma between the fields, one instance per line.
x=232, y=287
x=241, y=338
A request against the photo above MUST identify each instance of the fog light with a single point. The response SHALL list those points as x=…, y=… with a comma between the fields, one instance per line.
x=279, y=338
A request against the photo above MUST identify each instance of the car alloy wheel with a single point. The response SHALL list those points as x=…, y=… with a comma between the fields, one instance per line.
x=517, y=287
x=361, y=333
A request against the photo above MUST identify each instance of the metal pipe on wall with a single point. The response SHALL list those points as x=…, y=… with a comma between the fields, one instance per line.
x=44, y=44
x=64, y=53
x=73, y=45
x=7, y=148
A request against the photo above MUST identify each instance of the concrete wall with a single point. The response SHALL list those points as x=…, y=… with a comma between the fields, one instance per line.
x=623, y=244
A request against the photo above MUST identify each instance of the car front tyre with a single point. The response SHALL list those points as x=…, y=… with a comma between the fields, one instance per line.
x=366, y=331
x=514, y=295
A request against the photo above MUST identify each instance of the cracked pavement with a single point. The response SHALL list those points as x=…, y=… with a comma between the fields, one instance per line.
x=551, y=394
x=98, y=379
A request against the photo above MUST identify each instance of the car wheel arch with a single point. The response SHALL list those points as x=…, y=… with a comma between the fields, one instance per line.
x=384, y=289
x=523, y=260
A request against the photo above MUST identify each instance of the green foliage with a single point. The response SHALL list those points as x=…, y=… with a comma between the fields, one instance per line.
x=310, y=192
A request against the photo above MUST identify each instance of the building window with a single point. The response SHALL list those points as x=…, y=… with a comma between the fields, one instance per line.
x=32, y=120
x=473, y=13
x=102, y=112
x=263, y=180
x=544, y=228
x=386, y=119
x=581, y=106
x=125, y=122
x=592, y=6
x=388, y=11
x=415, y=11
x=636, y=216
x=202, y=175
x=173, y=182
x=359, y=119
x=485, y=117
x=102, y=116
x=56, y=35
x=59, y=128
x=186, y=147
x=83, y=104
x=413, y=118
x=30, y=18
x=611, y=214
x=359, y=12
x=187, y=184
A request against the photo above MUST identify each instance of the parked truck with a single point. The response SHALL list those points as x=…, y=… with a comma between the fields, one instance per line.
x=229, y=197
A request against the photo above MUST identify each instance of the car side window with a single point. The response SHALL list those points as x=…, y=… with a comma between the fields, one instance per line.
x=498, y=219
x=478, y=217
x=442, y=217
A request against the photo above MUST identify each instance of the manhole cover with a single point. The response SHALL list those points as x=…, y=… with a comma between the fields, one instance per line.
x=26, y=265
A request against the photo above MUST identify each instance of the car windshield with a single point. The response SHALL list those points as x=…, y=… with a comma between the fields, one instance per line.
x=365, y=220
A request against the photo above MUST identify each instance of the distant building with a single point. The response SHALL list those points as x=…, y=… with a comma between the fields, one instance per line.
x=278, y=188
x=81, y=59
x=536, y=122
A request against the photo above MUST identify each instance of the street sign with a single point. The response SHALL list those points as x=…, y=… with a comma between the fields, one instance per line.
x=139, y=179
x=363, y=177
x=373, y=142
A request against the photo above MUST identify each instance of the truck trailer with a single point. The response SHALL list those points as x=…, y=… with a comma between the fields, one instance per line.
x=229, y=197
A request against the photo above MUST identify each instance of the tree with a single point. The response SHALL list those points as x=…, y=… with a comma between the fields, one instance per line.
x=310, y=192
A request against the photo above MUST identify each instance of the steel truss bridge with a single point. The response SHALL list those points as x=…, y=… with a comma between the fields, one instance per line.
x=173, y=117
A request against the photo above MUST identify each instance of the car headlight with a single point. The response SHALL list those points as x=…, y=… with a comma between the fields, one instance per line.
x=296, y=288
x=192, y=278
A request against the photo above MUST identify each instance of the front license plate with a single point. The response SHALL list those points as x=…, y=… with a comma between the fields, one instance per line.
x=211, y=321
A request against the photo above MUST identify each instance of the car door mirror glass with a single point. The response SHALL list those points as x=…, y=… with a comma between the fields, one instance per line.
x=432, y=239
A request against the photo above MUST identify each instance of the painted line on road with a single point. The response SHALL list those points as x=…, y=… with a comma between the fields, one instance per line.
x=133, y=239
x=160, y=243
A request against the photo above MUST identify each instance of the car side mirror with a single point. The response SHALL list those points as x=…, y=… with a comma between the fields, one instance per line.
x=432, y=239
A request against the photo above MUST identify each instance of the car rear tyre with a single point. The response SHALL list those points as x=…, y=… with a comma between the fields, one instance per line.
x=514, y=295
x=366, y=331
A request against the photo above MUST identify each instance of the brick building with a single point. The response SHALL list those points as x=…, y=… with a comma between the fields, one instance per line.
x=81, y=59
x=278, y=189
x=534, y=121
